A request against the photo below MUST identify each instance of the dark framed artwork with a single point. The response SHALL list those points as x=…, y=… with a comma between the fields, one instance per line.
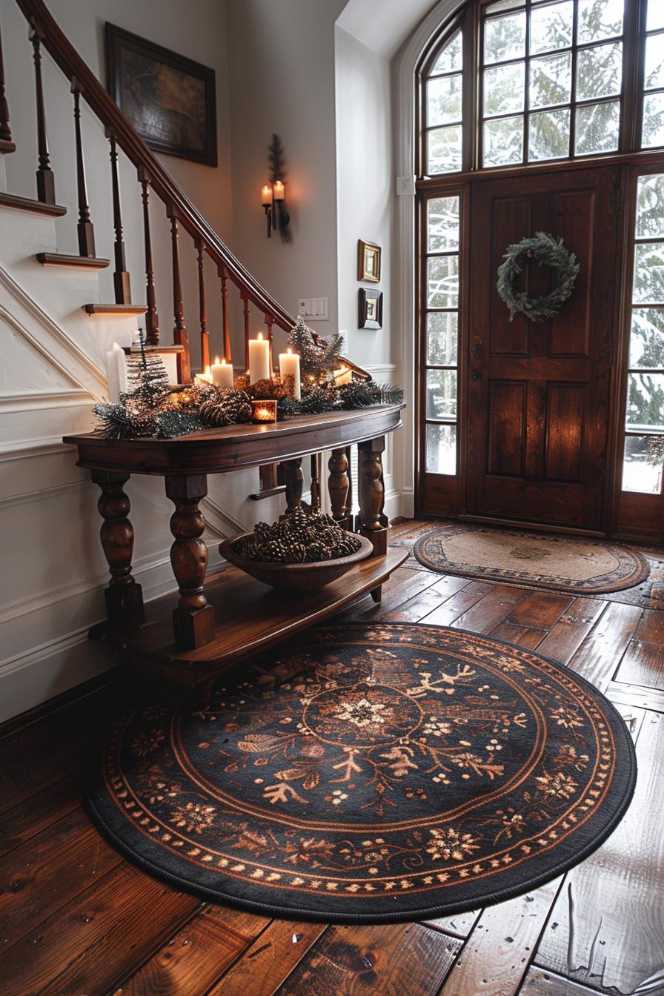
x=368, y=261
x=370, y=308
x=170, y=100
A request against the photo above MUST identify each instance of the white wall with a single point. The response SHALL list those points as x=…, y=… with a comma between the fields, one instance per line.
x=282, y=68
x=365, y=195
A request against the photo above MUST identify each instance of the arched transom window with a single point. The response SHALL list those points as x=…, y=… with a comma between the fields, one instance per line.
x=516, y=82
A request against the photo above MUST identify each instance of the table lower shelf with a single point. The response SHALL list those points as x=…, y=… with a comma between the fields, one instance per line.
x=250, y=617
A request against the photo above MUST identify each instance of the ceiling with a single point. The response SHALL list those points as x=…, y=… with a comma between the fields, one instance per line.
x=383, y=28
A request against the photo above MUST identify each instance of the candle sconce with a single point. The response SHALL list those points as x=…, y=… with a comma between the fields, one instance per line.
x=273, y=194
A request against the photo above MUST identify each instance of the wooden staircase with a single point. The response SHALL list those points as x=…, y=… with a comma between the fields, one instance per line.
x=189, y=230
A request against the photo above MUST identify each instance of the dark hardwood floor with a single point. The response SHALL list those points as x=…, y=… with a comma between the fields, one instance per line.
x=75, y=918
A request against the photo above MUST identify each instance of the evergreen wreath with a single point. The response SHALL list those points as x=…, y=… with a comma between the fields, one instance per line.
x=545, y=250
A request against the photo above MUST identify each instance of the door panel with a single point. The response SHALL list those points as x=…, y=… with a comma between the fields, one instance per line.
x=539, y=392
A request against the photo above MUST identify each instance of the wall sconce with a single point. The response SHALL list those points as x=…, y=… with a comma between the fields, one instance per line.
x=273, y=194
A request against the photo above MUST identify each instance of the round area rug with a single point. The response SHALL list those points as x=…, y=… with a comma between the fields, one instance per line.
x=543, y=560
x=371, y=773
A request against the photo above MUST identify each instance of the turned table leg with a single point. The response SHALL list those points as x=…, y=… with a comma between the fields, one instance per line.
x=372, y=522
x=193, y=619
x=294, y=479
x=339, y=488
x=124, y=597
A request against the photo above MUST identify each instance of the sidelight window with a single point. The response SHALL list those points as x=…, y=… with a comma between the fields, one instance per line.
x=441, y=333
x=643, y=461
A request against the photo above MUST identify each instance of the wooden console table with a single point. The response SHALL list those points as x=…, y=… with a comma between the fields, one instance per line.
x=221, y=618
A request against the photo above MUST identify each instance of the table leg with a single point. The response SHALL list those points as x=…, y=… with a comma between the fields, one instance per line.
x=371, y=521
x=339, y=487
x=193, y=619
x=124, y=597
x=294, y=479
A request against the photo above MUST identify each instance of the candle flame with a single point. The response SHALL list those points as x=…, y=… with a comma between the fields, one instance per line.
x=289, y=350
x=216, y=361
x=260, y=335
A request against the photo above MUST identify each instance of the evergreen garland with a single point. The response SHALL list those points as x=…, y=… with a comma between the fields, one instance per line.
x=151, y=409
x=545, y=250
x=318, y=356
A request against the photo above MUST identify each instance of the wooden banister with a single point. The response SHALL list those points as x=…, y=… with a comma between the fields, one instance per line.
x=151, y=174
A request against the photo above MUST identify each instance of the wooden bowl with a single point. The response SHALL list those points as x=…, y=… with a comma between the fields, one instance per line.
x=296, y=577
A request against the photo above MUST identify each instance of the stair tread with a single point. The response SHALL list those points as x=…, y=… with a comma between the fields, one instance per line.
x=65, y=259
x=115, y=309
x=29, y=204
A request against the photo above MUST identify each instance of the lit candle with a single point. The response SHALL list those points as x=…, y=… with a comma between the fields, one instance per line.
x=204, y=378
x=264, y=411
x=266, y=195
x=222, y=373
x=343, y=375
x=289, y=366
x=259, y=359
x=279, y=190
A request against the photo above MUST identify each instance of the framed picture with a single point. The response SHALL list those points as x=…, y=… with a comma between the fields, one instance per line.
x=370, y=308
x=170, y=100
x=368, y=261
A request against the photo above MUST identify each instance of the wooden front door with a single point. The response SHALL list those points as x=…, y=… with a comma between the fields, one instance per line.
x=538, y=393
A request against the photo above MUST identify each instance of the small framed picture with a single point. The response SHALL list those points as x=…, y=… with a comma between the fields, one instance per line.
x=370, y=308
x=368, y=261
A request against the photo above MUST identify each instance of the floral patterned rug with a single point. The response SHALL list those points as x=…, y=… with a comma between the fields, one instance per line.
x=371, y=773
x=560, y=563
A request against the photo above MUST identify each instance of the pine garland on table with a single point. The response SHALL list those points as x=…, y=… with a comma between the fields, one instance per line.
x=151, y=409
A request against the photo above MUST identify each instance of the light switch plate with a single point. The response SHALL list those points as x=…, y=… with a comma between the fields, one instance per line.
x=313, y=308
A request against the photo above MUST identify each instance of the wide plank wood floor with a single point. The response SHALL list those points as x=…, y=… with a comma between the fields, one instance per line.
x=78, y=920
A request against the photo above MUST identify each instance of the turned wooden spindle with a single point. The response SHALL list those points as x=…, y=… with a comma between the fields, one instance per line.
x=349, y=498
x=294, y=480
x=124, y=597
x=202, y=306
x=372, y=522
x=85, y=228
x=223, y=277
x=316, y=460
x=6, y=143
x=151, y=315
x=193, y=619
x=247, y=330
x=45, y=176
x=269, y=322
x=121, y=278
x=339, y=487
x=180, y=331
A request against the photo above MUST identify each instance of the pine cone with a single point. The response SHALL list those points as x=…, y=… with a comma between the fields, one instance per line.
x=228, y=410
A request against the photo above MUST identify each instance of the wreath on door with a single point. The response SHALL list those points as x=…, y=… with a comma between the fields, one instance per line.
x=545, y=250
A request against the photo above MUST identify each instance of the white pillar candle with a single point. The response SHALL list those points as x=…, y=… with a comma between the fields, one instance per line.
x=116, y=372
x=289, y=365
x=259, y=359
x=222, y=373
